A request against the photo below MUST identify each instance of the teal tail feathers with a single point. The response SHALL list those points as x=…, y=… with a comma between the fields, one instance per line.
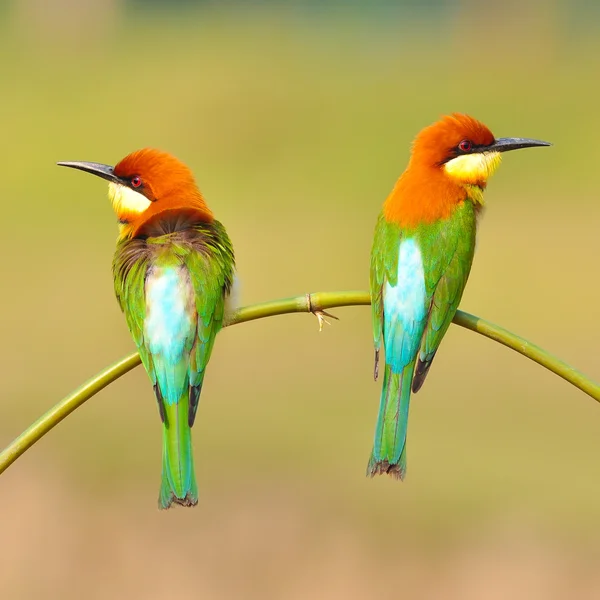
x=178, y=485
x=389, y=448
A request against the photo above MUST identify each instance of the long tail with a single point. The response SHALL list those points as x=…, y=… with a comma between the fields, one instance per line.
x=178, y=483
x=389, y=448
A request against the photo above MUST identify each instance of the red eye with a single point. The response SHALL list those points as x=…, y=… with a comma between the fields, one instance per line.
x=136, y=181
x=465, y=146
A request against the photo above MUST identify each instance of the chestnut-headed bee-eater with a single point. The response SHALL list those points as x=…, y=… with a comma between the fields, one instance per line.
x=420, y=260
x=173, y=270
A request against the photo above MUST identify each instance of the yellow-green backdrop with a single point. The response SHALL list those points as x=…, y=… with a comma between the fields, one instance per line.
x=297, y=122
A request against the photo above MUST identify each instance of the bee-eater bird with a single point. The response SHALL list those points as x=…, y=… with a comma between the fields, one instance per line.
x=173, y=270
x=420, y=260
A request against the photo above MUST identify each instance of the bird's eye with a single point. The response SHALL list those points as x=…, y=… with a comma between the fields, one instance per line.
x=136, y=181
x=465, y=146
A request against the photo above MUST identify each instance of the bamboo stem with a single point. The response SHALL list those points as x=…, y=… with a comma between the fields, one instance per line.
x=317, y=304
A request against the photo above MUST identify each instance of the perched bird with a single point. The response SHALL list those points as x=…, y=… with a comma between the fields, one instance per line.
x=173, y=270
x=420, y=260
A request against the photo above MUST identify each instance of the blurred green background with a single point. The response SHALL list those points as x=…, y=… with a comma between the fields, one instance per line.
x=297, y=119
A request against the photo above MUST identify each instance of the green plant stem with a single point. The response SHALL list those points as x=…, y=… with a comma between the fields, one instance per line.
x=317, y=304
x=526, y=348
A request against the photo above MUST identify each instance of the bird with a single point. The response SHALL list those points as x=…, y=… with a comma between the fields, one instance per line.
x=421, y=256
x=173, y=271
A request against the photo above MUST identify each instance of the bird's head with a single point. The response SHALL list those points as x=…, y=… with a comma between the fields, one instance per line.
x=148, y=185
x=451, y=161
x=464, y=149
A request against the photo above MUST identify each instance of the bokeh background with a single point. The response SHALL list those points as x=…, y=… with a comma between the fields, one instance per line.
x=297, y=119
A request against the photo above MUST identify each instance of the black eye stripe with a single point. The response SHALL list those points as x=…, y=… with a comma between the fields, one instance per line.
x=456, y=151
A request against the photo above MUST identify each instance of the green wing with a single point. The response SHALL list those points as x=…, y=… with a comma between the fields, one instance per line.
x=212, y=280
x=130, y=266
x=384, y=267
x=448, y=248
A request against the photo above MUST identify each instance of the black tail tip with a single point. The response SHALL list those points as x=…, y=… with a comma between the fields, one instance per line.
x=187, y=501
x=384, y=467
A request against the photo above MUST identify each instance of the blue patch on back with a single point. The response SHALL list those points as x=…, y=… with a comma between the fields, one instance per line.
x=169, y=328
x=405, y=308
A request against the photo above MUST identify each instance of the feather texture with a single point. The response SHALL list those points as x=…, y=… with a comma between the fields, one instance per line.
x=172, y=288
x=418, y=276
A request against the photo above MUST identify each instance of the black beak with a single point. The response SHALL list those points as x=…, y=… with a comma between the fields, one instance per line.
x=105, y=171
x=506, y=144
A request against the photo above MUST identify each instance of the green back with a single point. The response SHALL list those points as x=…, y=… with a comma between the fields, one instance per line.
x=206, y=253
x=447, y=247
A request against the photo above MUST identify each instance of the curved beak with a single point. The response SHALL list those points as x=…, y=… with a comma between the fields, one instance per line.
x=506, y=144
x=104, y=171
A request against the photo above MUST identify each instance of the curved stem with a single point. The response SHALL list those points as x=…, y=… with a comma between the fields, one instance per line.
x=315, y=303
x=64, y=408
x=531, y=351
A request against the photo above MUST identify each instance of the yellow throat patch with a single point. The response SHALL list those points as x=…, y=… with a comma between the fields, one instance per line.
x=126, y=201
x=473, y=168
